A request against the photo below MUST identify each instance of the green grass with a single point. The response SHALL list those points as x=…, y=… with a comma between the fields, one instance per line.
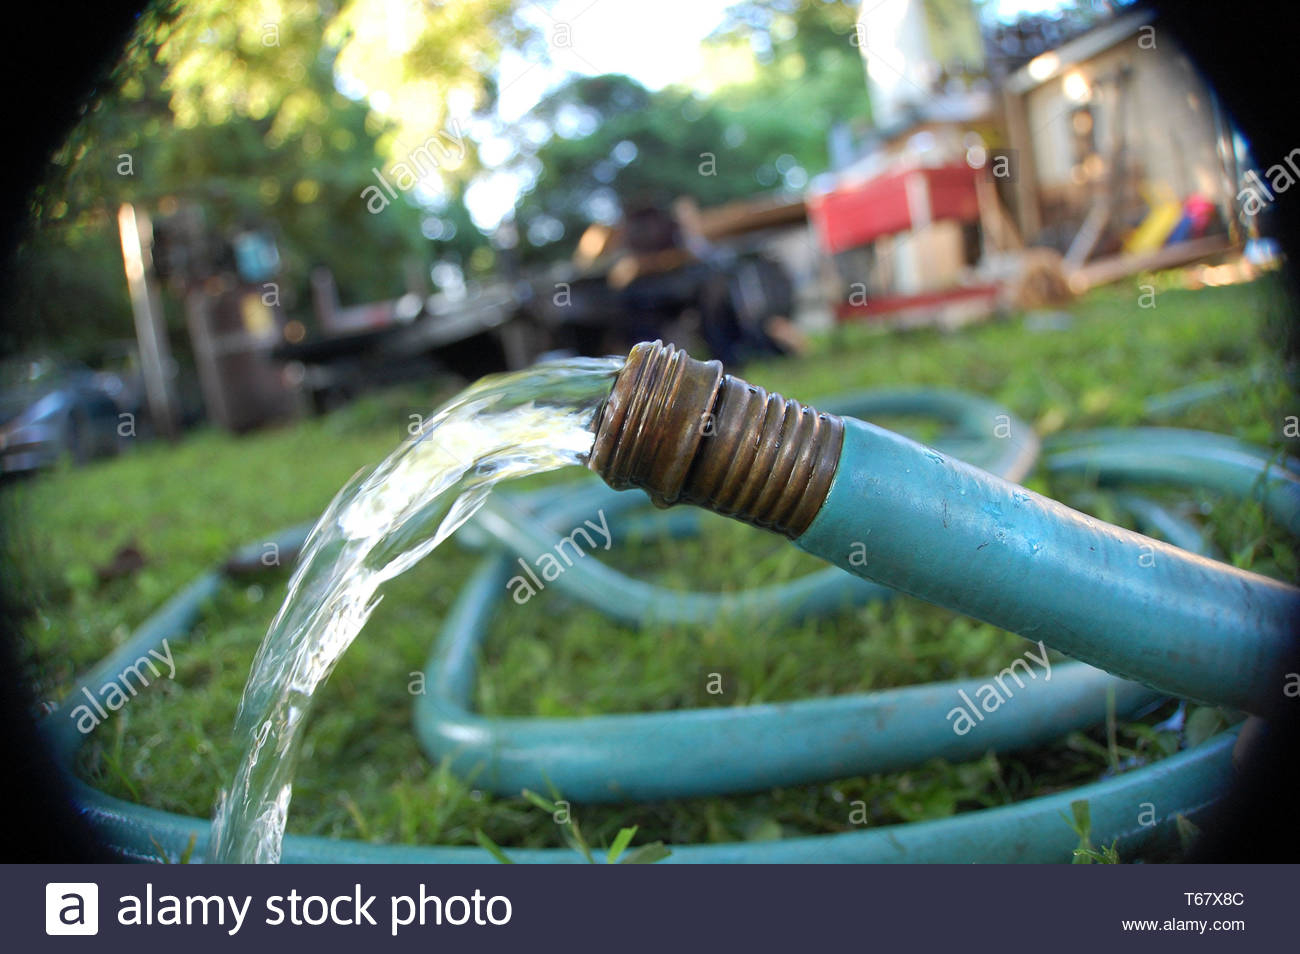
x=362, y=774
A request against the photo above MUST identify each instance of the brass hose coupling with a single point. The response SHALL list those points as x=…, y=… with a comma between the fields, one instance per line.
x=685, y=432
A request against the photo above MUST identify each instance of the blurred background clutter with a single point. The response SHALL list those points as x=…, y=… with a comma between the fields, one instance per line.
x=276, y=206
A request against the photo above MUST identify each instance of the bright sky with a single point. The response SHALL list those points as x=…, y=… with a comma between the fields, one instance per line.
x=656, y=42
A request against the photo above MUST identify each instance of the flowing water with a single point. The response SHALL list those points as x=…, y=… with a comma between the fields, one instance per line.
x=380, y=524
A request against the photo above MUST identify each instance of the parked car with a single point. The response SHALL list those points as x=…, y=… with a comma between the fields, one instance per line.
x=51, y=409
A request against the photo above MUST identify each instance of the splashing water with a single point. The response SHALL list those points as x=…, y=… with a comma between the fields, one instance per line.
x=379, y=525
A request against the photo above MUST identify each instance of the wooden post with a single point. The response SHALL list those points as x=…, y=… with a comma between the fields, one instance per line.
x=136, y=232
x=1028, y=214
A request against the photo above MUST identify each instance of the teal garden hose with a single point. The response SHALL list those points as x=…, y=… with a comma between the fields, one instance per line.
x=899, y=516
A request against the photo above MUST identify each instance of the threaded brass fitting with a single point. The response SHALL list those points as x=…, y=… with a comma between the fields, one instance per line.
x=685, y=432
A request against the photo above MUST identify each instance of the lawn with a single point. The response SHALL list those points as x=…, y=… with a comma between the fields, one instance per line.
x=362, y=774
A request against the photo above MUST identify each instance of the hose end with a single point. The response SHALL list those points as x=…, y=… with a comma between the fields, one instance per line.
x=685, y=432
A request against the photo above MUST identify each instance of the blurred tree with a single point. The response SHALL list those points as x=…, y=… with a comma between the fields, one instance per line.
x=613, y=142
x=412, y=59
x=454, y=238
x=238, y=107
x=808, y=76
x=280, y=111
x=781, y=73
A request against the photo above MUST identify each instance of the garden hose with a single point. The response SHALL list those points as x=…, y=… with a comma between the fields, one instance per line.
x=918, y=517
x=930, y=525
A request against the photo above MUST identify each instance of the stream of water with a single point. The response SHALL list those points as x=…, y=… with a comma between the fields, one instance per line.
x=379, y=525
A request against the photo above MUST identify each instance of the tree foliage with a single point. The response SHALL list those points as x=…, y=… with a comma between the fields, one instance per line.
x=237, y=107
x=412, y=59
x=278, y=112
x=766, y=132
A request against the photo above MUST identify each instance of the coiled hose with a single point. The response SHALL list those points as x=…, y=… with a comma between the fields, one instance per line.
x=720, y=750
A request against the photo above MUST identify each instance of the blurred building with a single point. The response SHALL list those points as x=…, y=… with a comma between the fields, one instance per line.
x=1115, y=126
x=1010, y=163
